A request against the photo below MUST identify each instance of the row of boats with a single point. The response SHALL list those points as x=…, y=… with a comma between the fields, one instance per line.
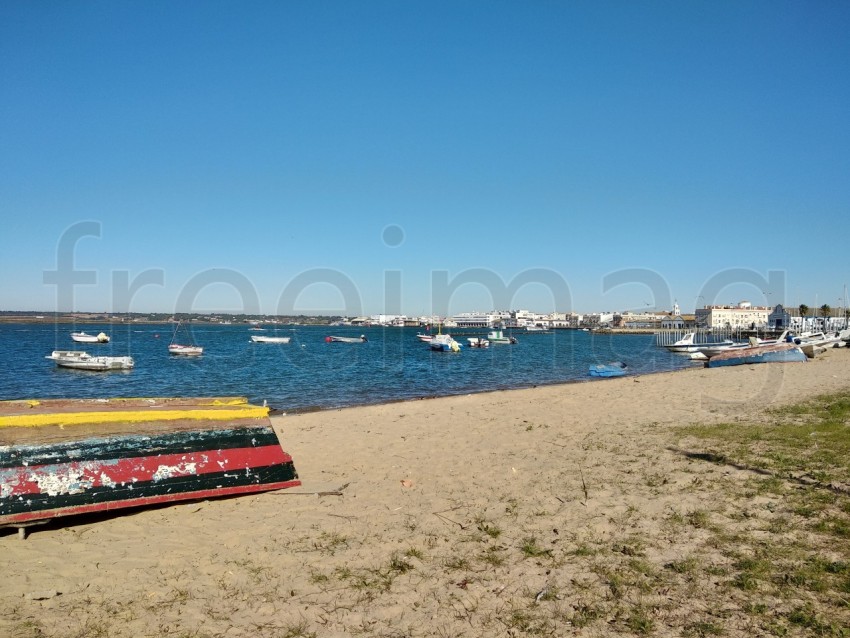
x=446, y=343
x=786, y=348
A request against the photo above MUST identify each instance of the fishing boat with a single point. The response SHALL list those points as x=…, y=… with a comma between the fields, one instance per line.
x=333, y=339
x=79, y=360
x=772, y=353
x=190, y=349
x=498, y=337
x=444, y=343
x=268, y=339
x=83, y=337
x=612, y=369
x=63, y=457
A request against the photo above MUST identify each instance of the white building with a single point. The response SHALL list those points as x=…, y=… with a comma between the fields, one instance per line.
x=743, y=316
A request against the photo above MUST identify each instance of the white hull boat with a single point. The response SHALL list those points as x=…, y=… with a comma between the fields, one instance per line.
x=360, y=339
x=82, y=337
x=498, y=337
x=478, y=342
x=183, y=349
x=265, y=339
x=85, y=361
x=444, y=343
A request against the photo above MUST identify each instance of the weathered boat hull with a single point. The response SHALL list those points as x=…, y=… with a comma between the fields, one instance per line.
x=779, y=353
x=62, y=458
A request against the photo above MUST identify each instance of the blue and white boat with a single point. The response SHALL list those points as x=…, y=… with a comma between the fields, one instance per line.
x=444, y=343
x=612, y=369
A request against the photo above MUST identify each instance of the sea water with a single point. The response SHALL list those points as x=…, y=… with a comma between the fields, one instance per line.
x=308, y=372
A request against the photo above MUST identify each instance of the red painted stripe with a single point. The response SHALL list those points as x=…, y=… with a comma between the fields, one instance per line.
x=154, y=500
x=79, y=476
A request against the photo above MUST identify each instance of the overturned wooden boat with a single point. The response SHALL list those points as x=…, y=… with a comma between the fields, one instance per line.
x=771, y=353
x=60, y=457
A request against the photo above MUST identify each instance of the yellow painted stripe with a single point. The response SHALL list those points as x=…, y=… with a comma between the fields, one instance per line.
x=133, y=416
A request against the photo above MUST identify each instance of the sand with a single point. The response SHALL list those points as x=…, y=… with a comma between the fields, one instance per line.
x=493, y=514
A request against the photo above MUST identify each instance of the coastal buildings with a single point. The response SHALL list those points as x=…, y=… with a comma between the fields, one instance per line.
x=742, y=316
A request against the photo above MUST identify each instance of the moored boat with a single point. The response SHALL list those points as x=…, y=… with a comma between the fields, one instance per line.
x=190, y=349
x=498, y=337
x=79, y=360
x=267, y=339
x=478, y=342
x=83, y=337
x=444, y=343
x=333, y=339
x=688, y=343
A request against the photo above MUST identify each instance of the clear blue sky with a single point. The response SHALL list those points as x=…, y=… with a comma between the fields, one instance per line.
x=635, y=152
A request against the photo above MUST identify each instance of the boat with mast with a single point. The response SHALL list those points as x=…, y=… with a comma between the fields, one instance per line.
x=187, y=349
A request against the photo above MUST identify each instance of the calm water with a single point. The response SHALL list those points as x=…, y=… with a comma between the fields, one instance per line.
x=309, y=373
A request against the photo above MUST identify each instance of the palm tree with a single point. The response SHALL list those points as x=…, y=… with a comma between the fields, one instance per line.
x=825, y=311
x=804, y=310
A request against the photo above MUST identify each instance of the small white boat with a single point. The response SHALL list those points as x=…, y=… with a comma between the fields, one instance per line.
x=83, y=337
x=265, y=339
x=187, y=351
x=360, y=339
x=424, y=338
x=84, y=361
x=478, y=342
x=688, y=343
x=184, y=349
x=498, y=337
x=536, y=329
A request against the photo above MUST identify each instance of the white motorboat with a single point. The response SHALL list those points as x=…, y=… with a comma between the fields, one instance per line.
x=498, y=337
x=424, y=338
x=444, y=343
x=688, y=343
x=478, y=342
x=266, y=339
x=83, y=337
x=84, y=361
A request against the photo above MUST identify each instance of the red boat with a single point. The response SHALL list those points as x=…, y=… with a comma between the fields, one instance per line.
x=60, y=457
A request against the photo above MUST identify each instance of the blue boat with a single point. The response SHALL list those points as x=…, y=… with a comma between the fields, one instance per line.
x=775, y=353
x=613, y=369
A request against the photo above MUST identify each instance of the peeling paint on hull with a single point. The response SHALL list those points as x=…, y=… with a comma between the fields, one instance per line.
x=43, y=476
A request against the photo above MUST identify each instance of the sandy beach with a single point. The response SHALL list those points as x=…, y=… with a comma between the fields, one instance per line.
x=497, y=514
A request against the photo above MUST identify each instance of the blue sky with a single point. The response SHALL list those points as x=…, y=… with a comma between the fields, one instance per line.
x=347, y=158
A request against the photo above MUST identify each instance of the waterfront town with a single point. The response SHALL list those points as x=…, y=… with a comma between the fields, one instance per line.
x=735, y=317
